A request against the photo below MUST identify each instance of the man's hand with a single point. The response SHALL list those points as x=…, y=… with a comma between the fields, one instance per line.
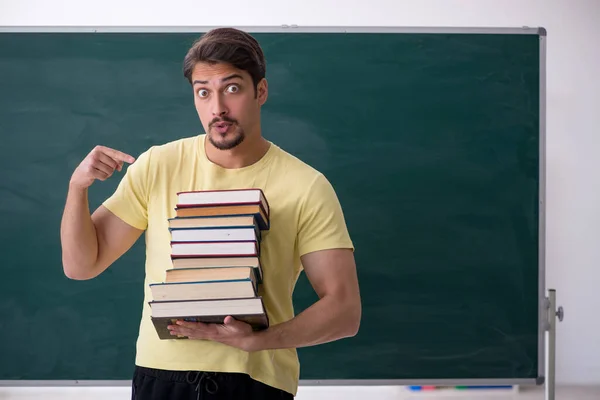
x=91, y=243
x=100, y=164
x=232, y=332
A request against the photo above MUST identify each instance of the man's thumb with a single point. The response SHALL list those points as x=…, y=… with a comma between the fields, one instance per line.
x=229, y=320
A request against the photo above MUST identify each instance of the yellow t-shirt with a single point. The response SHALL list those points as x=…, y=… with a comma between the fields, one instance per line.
x=305, y=216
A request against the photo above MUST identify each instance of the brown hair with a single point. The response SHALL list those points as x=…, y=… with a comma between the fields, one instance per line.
x=227, y=45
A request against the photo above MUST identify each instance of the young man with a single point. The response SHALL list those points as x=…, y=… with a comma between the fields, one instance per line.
x=226, y=69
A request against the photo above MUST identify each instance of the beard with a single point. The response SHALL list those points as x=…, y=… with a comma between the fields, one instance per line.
x=228, y=140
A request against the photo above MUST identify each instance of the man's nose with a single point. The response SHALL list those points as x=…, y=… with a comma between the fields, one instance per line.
x=219, y=108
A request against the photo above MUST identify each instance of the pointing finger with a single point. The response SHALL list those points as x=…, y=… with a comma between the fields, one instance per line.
x=118, y=155
x=107, y=160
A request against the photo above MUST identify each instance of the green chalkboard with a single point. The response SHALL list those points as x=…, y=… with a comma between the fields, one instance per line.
x=432, y=141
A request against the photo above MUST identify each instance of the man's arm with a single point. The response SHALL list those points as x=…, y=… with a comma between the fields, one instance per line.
x=91, y=243
x=334, y=316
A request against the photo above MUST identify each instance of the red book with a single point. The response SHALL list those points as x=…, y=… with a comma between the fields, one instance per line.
x=223, y=197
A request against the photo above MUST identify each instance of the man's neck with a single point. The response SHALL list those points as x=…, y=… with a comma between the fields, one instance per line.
x=250, y=151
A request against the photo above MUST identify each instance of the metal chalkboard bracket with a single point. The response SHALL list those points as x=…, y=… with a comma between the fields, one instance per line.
x=552, y=313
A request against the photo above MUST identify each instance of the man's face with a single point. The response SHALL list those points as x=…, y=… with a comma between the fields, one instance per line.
x=226, y=103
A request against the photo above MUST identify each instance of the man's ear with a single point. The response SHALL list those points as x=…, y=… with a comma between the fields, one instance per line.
x=262, y=91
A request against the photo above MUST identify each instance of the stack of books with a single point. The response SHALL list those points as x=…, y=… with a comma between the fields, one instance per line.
x=215, y=253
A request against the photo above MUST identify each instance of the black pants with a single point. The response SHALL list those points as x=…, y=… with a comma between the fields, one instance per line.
x=157, y=384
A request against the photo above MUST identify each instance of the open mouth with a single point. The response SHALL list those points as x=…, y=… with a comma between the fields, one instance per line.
x=222, y=127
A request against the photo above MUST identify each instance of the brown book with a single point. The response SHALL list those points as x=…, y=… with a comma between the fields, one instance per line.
x=249, y=310
x=210, y=274
x=200, y=284
x=218, y=262
x=262, y=218
x=212, y=221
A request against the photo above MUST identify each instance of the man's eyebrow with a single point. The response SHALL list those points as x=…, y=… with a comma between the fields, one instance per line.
x=227, y=78
x=230, y=77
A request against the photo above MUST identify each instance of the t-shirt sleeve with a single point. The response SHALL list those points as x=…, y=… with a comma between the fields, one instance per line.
x=322, y=224
x=130, y=200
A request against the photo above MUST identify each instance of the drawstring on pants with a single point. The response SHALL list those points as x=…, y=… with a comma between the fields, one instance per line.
x=210, y=385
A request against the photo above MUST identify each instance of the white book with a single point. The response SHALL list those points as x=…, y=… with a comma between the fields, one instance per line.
x=214, y=235
x=207, y=307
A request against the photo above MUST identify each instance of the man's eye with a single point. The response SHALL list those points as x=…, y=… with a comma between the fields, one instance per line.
x=202, y=93
x=233, y=89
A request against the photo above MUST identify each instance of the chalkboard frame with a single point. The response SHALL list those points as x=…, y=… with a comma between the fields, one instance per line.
x=284, y=28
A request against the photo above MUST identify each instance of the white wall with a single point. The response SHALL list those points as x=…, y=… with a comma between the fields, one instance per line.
x=573, y=107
